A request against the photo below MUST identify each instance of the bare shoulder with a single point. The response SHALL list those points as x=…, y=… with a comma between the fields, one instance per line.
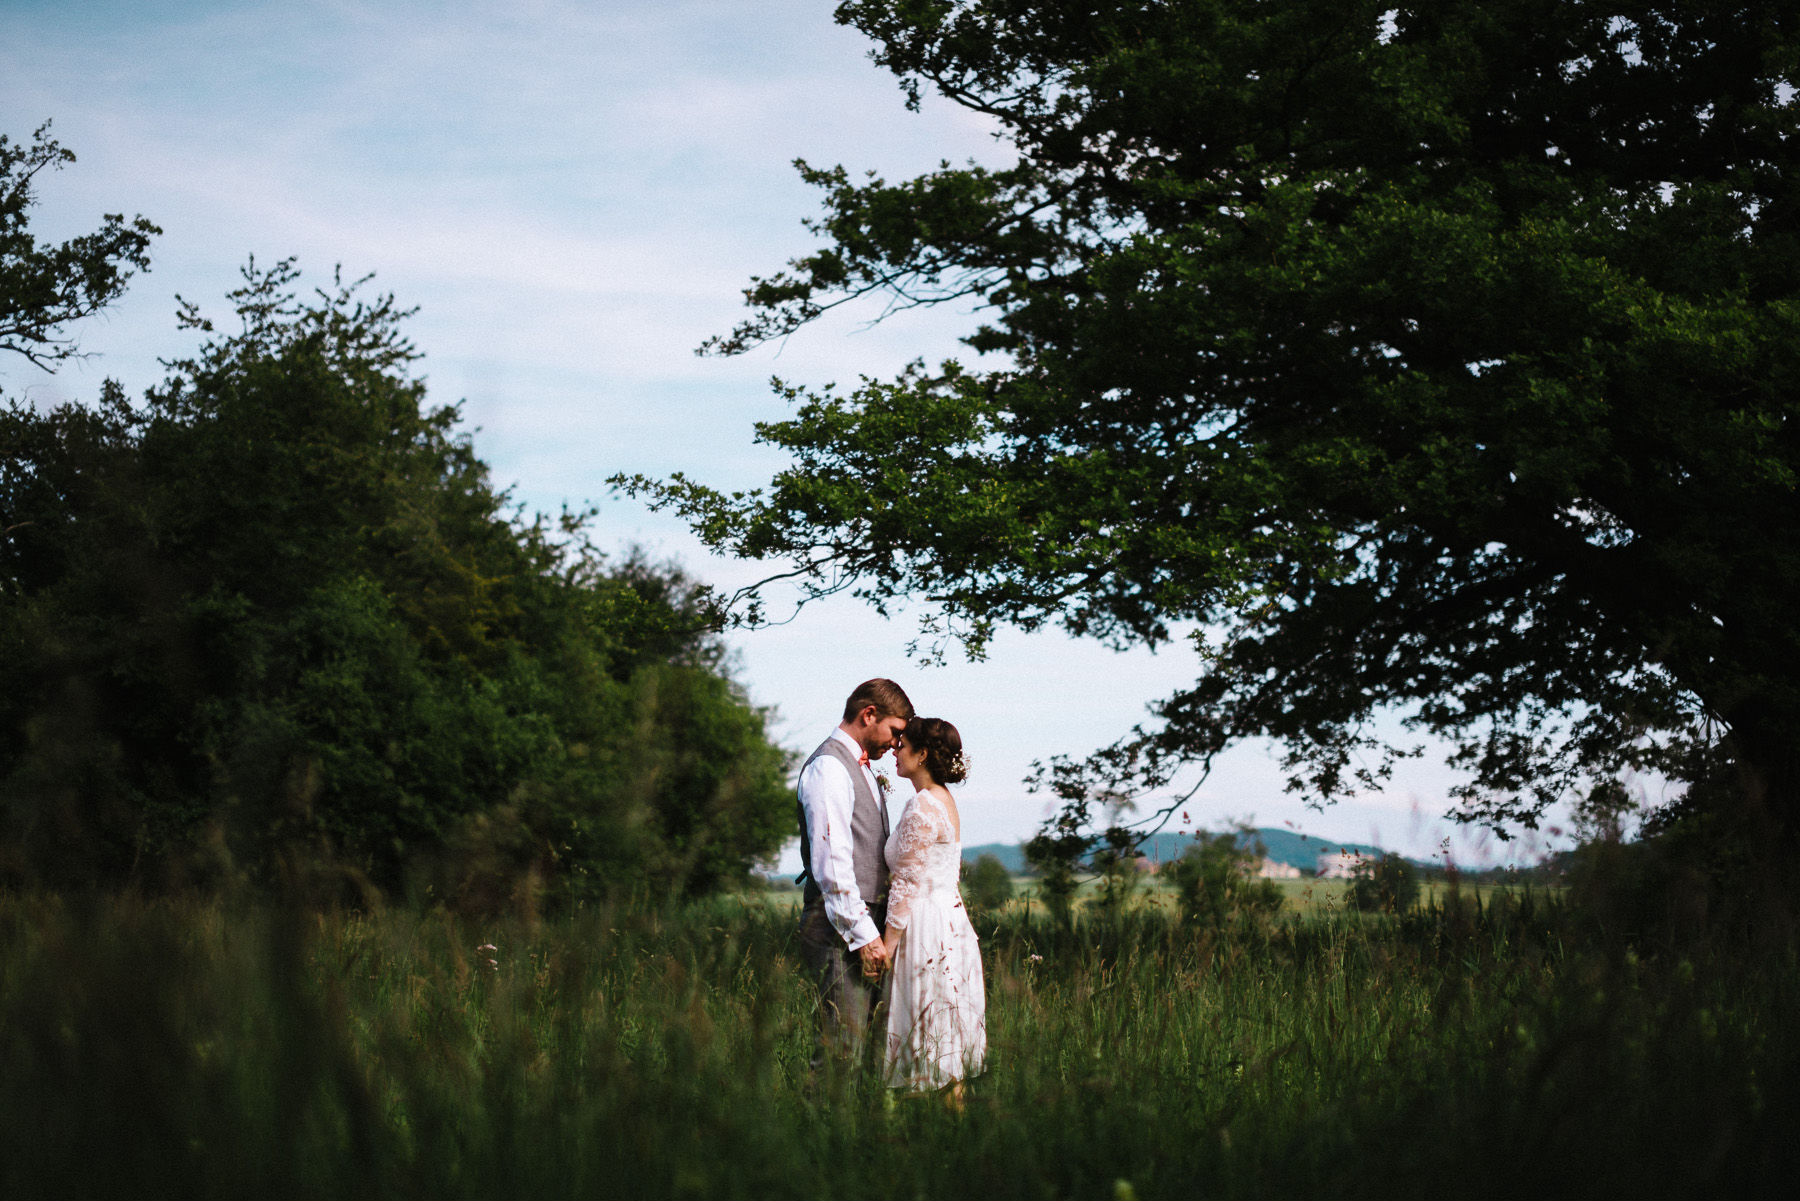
x=948, y=803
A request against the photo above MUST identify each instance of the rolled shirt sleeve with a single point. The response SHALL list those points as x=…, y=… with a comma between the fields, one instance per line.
x=826, y=796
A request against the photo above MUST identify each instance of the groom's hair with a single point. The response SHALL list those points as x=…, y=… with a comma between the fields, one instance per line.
x=885, y=695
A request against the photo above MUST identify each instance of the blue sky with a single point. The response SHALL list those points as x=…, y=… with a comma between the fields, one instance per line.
x=574, y=195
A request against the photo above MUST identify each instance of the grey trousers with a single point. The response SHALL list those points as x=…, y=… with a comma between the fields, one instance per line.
x=847, y=1000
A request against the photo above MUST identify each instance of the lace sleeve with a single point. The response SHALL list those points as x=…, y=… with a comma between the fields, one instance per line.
x=920, y=827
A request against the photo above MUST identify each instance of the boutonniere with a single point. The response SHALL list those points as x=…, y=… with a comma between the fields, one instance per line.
x=881, y=782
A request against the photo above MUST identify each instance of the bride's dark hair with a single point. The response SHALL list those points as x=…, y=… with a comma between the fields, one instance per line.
x=942, y=746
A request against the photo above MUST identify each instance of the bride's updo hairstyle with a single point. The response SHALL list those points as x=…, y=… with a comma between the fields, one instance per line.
x=942, y=746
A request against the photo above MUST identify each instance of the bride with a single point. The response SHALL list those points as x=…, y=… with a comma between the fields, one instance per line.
x=937, y=1003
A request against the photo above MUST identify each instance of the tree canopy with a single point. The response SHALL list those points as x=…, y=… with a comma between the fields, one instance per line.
x=1435, y=358
x=275, y=613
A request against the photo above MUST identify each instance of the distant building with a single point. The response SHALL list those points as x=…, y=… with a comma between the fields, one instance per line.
x=1339, y=865
x=1270, y=869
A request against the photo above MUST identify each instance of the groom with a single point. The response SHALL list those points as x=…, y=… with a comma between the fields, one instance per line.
x=843, y=843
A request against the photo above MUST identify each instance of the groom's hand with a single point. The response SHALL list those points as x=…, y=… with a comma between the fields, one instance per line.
x=874, y=958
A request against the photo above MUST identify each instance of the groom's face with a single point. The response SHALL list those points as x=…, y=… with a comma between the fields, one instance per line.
x=879, y=732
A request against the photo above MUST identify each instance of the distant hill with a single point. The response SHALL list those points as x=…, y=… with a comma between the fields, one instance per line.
x=1010, y=854
x=1285, y=846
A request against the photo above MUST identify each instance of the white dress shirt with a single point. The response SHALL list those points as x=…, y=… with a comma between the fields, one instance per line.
x=828, y=797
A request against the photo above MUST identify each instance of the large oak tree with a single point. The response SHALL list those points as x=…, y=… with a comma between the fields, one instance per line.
x=1439, y=359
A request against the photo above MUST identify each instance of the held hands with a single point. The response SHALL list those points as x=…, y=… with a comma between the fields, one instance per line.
x=874, y=959
x=890, y=948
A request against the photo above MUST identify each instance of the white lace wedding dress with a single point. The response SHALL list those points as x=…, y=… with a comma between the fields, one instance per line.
x=937, y=1001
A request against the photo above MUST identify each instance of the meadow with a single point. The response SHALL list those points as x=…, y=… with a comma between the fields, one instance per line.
x=217, y=1049
x=1305, y=897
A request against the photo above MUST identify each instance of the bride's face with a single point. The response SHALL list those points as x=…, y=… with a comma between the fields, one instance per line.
x=908, y=761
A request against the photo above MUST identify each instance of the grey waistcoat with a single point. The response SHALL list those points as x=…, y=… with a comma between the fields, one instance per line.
x=868, y=835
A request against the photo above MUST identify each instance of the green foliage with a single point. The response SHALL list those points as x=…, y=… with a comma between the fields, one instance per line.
x=1118, y=867
x=277, y=613
x=1217, y=884
x=188, y=1051
x=1695, y=875
x=1441, y=358
x=1055, y=854
x=1389, y=884
x=986, y=885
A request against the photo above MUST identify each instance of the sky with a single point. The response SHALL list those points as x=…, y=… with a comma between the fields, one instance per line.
x=574, y=196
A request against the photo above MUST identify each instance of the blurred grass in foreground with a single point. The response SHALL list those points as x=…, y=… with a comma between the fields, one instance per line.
x=195, y=1049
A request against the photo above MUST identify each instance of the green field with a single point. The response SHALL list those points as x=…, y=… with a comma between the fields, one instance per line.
x=1304, y=897
x=201, y=1050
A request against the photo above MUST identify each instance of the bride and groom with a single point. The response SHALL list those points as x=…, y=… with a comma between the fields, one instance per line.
x=881, y=900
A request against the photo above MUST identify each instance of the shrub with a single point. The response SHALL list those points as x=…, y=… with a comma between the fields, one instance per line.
x=1117, y=865
x=986, y=884
x=1386, y=885
x=1217, y=883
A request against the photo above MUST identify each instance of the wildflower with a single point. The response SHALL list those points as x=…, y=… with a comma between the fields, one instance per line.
x=1037, y=959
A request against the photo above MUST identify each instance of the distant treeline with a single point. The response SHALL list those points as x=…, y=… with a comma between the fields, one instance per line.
x=1283, y=846
x=274, y=616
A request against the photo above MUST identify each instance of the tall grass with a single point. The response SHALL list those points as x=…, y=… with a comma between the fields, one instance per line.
x=205, y=1050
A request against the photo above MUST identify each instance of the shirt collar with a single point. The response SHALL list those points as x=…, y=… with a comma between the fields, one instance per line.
x=853, y=745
